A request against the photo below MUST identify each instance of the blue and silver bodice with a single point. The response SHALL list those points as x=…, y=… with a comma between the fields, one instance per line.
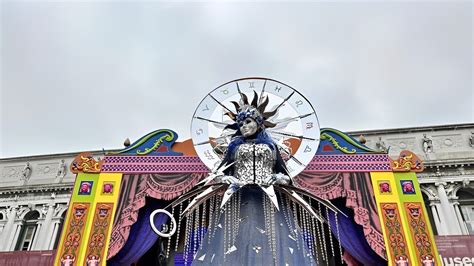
x=254, y=162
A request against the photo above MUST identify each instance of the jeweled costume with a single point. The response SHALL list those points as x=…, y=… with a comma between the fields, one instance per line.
x=254, y=162
x=254, y=232
x=247, y=212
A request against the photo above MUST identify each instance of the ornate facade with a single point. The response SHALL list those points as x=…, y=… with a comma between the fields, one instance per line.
x=34, y=197
x=447, y=182
x=35, y=190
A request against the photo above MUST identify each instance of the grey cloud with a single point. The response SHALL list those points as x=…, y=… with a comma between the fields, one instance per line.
x=84, y=76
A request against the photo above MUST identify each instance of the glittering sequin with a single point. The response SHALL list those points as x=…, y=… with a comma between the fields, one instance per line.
x=254, y=162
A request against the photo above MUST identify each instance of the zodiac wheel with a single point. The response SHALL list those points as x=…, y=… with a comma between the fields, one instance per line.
x=296, y=132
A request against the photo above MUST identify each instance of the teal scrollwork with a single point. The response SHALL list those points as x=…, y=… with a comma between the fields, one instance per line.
x=336, y=144
x=167, y=137
x=151, y=143
x=343, y=142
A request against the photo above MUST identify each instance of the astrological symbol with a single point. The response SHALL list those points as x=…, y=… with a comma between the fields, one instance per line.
x=309, y=125
x=298, y=103
x=199, y=131
x=251, y=84
x=206, y=109
x=208, y=155
x=225, y=91
x=307, y=149
x=277, y=88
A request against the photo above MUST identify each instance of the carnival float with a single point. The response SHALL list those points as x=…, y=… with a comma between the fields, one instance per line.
x=259, y=183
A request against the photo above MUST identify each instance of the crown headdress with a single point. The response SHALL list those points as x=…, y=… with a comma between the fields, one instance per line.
x=254, y=109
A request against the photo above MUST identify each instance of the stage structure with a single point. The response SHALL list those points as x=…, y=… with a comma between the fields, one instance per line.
x=259, y=183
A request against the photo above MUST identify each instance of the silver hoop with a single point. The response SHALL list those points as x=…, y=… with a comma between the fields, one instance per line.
x=158, y=232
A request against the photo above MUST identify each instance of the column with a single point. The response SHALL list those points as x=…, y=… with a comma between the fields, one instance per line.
x=447, y=210
x=2, y=225
x=54, y=235
x=462, y=224
x=8, y=230
x=434, y=211
x=36, y=239
x=43, y=236
x=55, y=230
x=12, y=241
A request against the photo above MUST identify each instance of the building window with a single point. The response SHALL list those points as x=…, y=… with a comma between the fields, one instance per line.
x=468, y=215
x=466, y=204
x=28, y=231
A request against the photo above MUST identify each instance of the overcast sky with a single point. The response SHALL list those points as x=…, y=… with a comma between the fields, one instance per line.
x=79, y=76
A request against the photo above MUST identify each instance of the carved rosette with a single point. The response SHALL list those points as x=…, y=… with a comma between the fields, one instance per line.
x=85, y=163
x=407, y=162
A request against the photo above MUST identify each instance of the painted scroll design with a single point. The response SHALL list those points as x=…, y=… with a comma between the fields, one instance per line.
x=342, y=142
x=74, y=233
x=336, y=144
x=406, y=162
x=393, y=226
x=419, y=232
x=98, y=238
x=158, y=142
x=85, y=163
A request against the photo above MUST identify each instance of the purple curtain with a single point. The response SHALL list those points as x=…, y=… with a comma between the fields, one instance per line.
x=353, y=239
x=138, y=187
x=133, y=232
x=356, y=191
x=141, y=237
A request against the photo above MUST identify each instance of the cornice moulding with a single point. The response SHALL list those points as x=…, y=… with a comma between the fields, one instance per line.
x=42, y=188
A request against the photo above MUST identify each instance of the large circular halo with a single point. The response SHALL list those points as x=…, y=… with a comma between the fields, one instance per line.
x=296, y=132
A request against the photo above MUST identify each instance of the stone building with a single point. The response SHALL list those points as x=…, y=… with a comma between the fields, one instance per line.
x=35, y=190
x=34, y=196
x=448, y=180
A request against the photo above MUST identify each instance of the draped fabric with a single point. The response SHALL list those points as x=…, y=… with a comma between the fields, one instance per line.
x=134, y=189
x=356, y=188
x=141, y=237
x=353, y=240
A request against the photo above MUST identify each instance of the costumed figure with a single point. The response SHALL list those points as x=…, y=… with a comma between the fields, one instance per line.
x=247, y=211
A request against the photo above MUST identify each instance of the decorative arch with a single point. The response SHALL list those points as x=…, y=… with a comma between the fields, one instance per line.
x=23, y=211
x=468, y=193
x=428, y=192
x=3, y=215
x=29, y=230
x=36, y=214
x=61, y=212
x=461, y=186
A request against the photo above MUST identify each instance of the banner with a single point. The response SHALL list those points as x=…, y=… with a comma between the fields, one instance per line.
x=456, y=250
